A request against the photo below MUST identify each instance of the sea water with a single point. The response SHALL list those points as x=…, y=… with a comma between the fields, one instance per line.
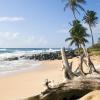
x=7, y=66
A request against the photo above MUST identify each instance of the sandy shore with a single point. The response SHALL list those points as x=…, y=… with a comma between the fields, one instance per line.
x=29, y=83
x=94, y=95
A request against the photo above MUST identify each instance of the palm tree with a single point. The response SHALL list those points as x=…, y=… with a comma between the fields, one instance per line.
x=91, y=19
x=78, y=37
x=74, y=5
x=77, y=34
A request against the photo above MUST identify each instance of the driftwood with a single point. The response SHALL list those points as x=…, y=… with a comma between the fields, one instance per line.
x=66, y=66
x=89, y=61
x=76, y=85
x=79, y=71
x=70, y=90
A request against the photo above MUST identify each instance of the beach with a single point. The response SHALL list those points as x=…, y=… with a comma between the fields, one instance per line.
x=18, y=86
x=28, y=83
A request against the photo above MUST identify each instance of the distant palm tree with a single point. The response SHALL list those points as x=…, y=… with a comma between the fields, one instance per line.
x=77, y=34
x=91, y=19
x=74, y=5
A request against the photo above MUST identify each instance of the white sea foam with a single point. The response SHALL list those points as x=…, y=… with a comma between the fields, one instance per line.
x=18, y=53
x=17, y=65
x=20, y=64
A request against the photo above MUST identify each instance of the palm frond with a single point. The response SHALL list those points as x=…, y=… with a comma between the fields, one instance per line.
x=73, y=5
x=77, y=11
x=67, y=39
x=82, y=1
x=79, y=6
x=71, y=43
x=66, y=5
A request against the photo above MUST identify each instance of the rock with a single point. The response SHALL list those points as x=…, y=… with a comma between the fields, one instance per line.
x=42, y=56
x=12, y=58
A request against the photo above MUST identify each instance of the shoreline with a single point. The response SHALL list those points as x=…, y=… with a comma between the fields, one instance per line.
x=22, y=70
x=31, y=82
x=28, y=83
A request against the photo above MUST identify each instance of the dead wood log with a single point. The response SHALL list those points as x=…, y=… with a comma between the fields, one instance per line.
x=89, y=61
x=66, y=66
x=71, y=90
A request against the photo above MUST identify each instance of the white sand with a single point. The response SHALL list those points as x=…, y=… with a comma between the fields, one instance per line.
x=94, y=95
x=26, y=84
x=29, y=83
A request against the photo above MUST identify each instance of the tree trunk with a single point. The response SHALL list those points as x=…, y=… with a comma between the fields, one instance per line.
x=66, y=66
x=71, y=90
x=90, y=63
x=81, y=65
x=91, y=35
x=84, y=50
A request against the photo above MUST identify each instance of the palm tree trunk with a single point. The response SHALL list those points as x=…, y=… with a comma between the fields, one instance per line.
x=84, y=49
x=79, y=51
x=91, y=35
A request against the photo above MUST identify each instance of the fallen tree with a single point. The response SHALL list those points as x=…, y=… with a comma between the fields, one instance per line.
x=70, y=90
x=77, y=83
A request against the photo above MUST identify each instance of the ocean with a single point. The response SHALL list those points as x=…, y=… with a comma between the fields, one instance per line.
x=7, y=66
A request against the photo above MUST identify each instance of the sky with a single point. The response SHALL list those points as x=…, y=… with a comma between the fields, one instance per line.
x=39, y=23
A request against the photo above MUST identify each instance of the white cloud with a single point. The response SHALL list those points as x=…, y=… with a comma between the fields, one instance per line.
x=18, y=40
x=11, y=19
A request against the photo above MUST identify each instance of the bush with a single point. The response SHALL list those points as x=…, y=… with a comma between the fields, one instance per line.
x=95, y=49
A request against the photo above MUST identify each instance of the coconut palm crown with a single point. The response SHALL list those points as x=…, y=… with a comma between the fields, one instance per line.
x=74, y=5
x=77, y=34
x=91, y=19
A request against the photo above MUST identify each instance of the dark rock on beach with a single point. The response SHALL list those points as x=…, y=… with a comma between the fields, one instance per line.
x=12, y=58
x=43, y=56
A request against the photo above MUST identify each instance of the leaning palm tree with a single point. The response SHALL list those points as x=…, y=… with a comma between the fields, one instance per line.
x=77, y=34
x=74, y=5
x=91, y=19
x=78, y=37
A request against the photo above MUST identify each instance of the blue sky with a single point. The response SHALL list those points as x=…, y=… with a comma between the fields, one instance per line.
x=38, y=23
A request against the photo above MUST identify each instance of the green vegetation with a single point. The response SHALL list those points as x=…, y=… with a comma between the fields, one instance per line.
x=77, y=34
x=74, y=5
x=95, y=49
x=91, y=19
